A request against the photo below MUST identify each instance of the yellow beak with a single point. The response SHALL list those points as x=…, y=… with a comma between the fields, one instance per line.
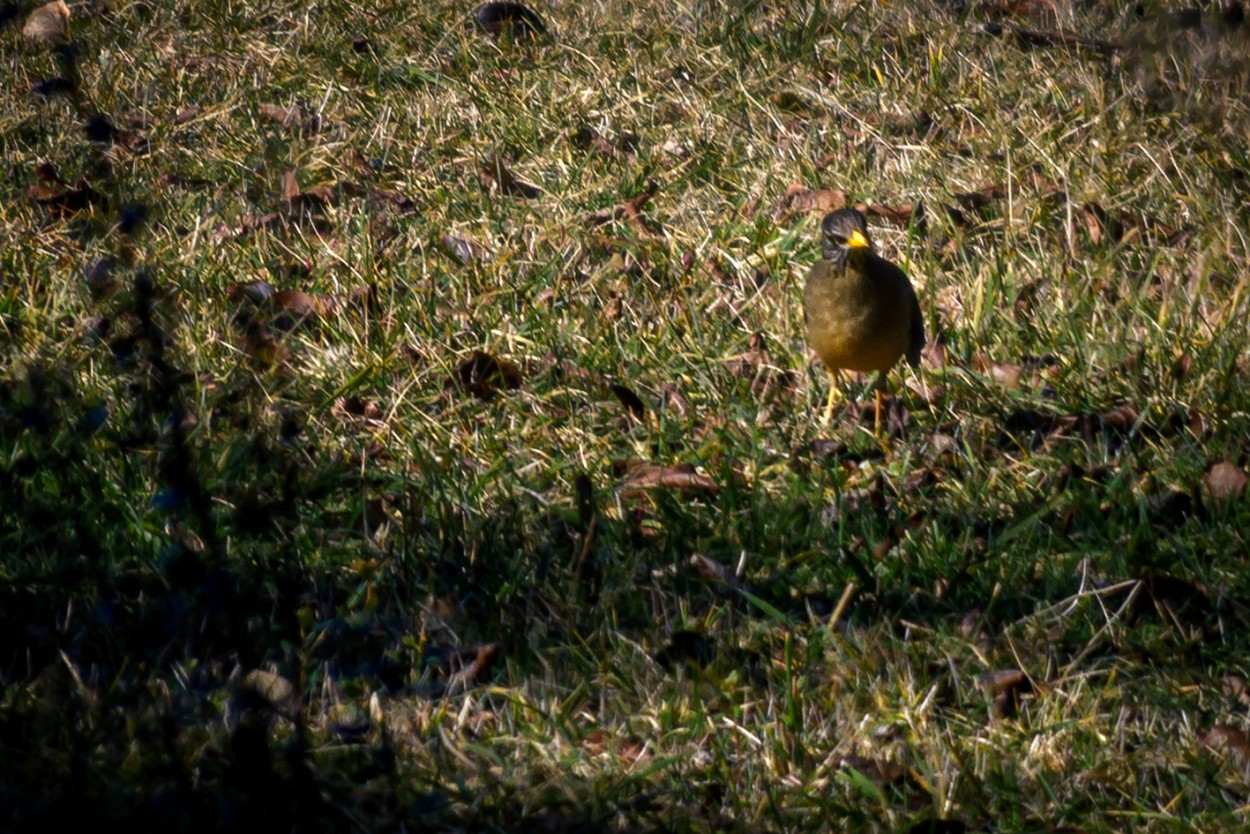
x=857, y=240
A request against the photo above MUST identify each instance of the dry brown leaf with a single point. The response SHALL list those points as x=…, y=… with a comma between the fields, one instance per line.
x=474, y=672
x=1005, y=687
x=680, y=477
x=756, y=364
x=713, y=571
x=1125, y=227
x=894, y=420
x=799, y=199
x=47, y=25
x=302, y=200
x=634, y=405
x=263, y=687
x=902, y=214
x=686, y=648
x=509, y=20
x=1234, y=686
x=1005, y=374
x=482, y=374
x=256, y=292
x=291, y=118
x=630, y=211
x=496, y=175
x=879, y=770
x=629, y=750
x=464, y=250
x=1053, y=37
x=1227, y=739
x=397, y=201
x=260, y=345
x=586, y=138
x=356, y=410
x=187, y=114
x=1016, y=8
x=304, y=305
x=1223, y=483
x=64, y=202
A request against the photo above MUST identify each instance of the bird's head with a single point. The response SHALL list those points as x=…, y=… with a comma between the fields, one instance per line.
x=844, y=236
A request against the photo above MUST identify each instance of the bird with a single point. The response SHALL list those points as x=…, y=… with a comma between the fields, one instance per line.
x=860, y=310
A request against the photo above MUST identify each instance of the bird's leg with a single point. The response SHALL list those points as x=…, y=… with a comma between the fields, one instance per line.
x=879, y=388
x=833, y=395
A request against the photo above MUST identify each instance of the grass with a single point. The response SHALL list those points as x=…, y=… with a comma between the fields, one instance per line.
x=485, y=608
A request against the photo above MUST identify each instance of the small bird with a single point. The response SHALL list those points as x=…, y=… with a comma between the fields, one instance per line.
x=861, y=311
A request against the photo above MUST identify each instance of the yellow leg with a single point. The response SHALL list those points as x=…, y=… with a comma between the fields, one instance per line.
x=833, y=396
x=879, y=389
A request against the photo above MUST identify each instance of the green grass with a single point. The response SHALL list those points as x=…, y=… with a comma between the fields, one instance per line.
x=182, y=506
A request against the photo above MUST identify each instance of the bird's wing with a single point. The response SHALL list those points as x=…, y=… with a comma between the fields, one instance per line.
x=916, y=341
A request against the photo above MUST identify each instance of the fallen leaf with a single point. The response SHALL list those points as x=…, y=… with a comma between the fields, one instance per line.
x=188, y=114
x=1005, y=687
x=1225, y=738
x=586, y=138
x=1234, y=687
x=47, y=25
x=686, y=648
x=292, y=118
x=756, y=364
x=302, y=201
x=1053, y=37
x=879, y=770
x=261, y=346
x=64, y=202
x=263, y=688
x=629, y=750
x=510, y=19
x=464, y=250
x=631, y=212
x=799, y=199
x=632, y=402
x=713, y=571
x=256, y=292
x=356, y=409
x=681, y=477
x=1005, y=374
x=1124, y=227
x=902, y=214
x=495, y=174
x=476, y=670
x=394, y=199
x=51, y=87
x=975, y=202
x=894, y=419
x=1223, y=483
x=303, y=305
x=482, y=374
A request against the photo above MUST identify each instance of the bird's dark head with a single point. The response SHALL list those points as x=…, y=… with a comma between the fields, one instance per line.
x=844, y=235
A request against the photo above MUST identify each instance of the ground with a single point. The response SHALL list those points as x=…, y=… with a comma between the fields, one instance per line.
x=408, y=425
